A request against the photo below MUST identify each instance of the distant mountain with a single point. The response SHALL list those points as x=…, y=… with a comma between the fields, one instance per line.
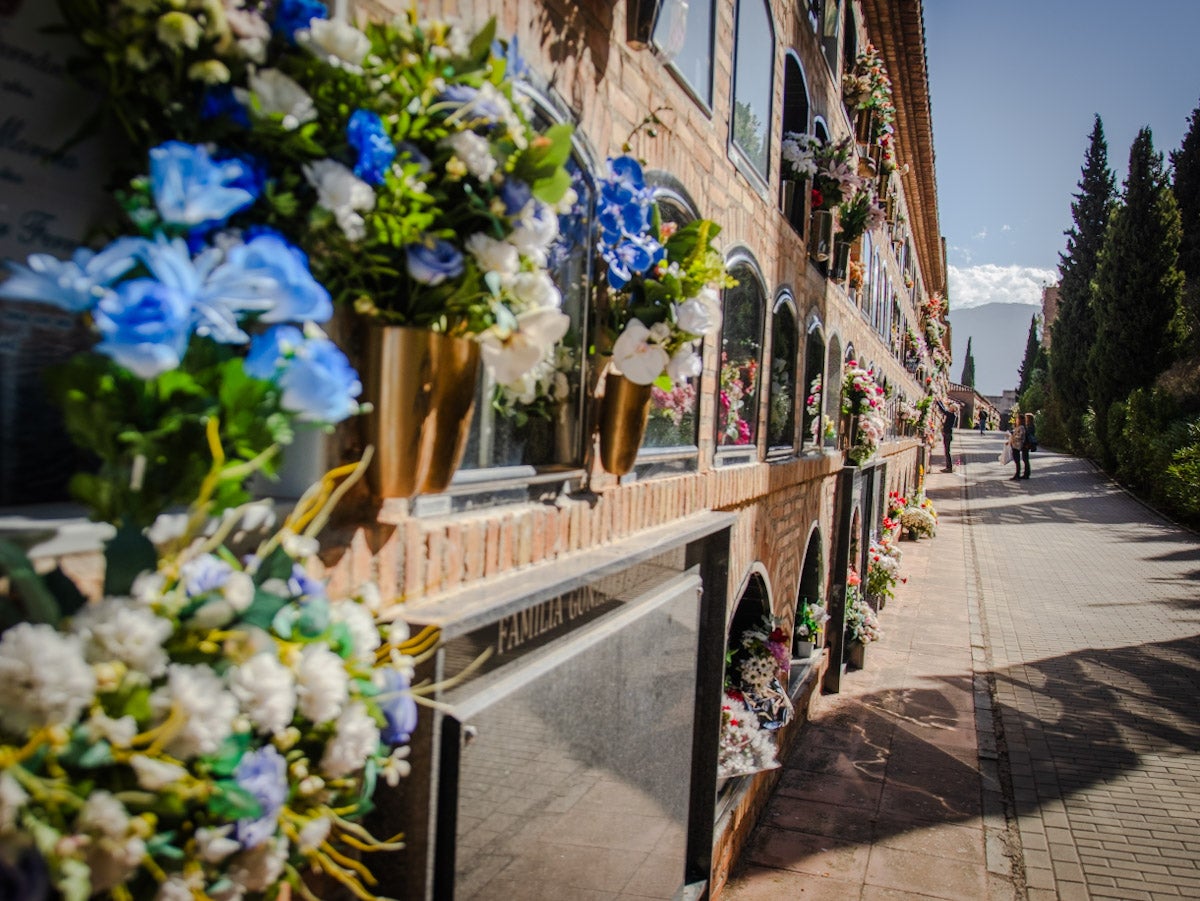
x=998, y=332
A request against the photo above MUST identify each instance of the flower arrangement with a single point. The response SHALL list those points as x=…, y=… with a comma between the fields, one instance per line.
x=896, y=502
x=213, y=727
x=830, y=166
x=195, y=322
x=859, y=214
x=862, y=624
x=810, y=621
x=919, y=518
x=868, y=87
x=862, y=399
x=745, y=746
x=738, y=381
x=812, y=409
x=855, y=274
x=908, y=413
x=883, y=569
x=672, y=414
x=401, y=156
x=662, y=281
x=539, y=392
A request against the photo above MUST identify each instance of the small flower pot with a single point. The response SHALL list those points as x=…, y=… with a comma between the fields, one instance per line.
x=802, y=650
x=623, y=416
x=856, y=654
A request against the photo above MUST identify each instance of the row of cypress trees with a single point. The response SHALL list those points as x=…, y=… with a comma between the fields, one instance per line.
x=1121, y=382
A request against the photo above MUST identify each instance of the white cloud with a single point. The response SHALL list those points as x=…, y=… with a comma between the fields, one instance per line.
x=980, y=235
x=1006, y=228
x=973, y=286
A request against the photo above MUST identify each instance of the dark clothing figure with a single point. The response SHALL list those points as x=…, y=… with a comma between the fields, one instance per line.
x=981, y=425
x=1029, y=443
x=949, y=421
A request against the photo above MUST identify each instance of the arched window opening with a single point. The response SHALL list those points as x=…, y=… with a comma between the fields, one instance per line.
x=683, y=37
x=813, y=425
x=781, y=404
x=810, y=602
x=795, y=120
x=833, y=393
x=741, y=358
x=753, y=79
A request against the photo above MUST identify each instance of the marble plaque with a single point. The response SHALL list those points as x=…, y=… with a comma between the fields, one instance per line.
x=574, y=762
x=50, y=202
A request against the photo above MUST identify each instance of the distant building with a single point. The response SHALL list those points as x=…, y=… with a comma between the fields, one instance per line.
x=971, y=404
x=1049, y=311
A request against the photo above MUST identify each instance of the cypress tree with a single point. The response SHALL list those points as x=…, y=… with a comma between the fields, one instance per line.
x=1075, y=324
x=1138, y=287
x=1186, y=186
x=968, y=373
x=1033, y=353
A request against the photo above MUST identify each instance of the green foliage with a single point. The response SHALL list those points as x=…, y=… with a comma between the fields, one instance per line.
x=1181, y=483
x=1185, y=163
x=1033, y=353
x=1075, y=324
x=968, y=371
x=150, y=435
x=1138, y=288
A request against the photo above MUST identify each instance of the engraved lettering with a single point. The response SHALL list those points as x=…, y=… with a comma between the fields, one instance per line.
x=34, y=228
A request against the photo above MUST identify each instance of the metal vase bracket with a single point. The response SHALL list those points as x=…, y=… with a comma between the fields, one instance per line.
x=626, y=407
x=421, y=386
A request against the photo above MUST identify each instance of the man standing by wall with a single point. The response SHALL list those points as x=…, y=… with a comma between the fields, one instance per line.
x=949, y=421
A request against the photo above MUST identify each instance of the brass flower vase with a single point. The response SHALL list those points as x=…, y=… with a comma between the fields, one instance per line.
x=421, y=386
x=622, y=422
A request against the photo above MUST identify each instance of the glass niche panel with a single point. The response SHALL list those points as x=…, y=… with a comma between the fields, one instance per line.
x=683, y=36
x=539, y=426
x=781, y=407
x=741, y=359
x=672, y=421
x=754, y=68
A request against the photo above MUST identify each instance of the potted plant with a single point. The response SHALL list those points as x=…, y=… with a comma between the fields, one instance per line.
x=862, y=626
x=810, y=622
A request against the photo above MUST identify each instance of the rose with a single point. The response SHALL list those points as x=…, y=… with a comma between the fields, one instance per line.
x=318, y=382
x=433, y=263
x=338, y=42
x=268, y=274
x=144, y=326
x=342, y=193
x=277, y=95
x=191, y=189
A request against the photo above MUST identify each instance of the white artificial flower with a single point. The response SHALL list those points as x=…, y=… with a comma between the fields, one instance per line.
x=356, y=739
x=660, y=333
x=494, y=256
x=213, y=843
x=314, y=833
x=698, y=317
x=685, y=364
x=396, y=767
x=339, y=42
x=266, y=689
x=126, y=631
x=251, y=30
x=112, y=861
x=566, y=203
x=102, y=814
x=342, y=193
x=260, y=867
x=322, y=684
x=359, y=622
x=154, y=775
x=636, y=357
x=298, y=547
x=147, y=586
x=511, y=354
x=204, y=709
x=371, y=597
x=176, y=888
x=46, y=680
x=278, y=95
x=474, y=151
x=535, y=289
x=12, y=799
x=117, y=732
x=535, y=231
x=239, y=591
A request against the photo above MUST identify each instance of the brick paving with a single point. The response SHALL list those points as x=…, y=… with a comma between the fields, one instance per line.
x=1027, y=728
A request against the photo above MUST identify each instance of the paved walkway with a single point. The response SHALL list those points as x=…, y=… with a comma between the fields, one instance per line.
x=1029, y=726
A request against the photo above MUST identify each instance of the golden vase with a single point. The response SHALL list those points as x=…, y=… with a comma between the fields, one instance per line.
x=622, y=422
x=421, y=386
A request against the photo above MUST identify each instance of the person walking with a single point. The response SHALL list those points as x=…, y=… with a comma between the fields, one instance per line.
x=949, y=421
x=1028, y=443
x=982, y=423
x=1016, y=440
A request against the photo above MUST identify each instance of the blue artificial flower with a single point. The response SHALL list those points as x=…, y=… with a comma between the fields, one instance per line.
x=219, y=102
x=191, y=189
x=515, y=67
x=302, y=585
x=432, y=264
x=398, y=707
x=293, y=15
x=204, y=574
x=630, y=257
x=410, y=152
x=144, y=326
x=625, y=179
x=516, y=195
x=263, y=774
x=375, y=149
x=74, y=285
x=318, y=382
x=269, y=277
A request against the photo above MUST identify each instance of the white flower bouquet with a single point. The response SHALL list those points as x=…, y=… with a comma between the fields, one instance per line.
x=746, y=747
x=212, y=727
x=862, y=624
x=662, y=281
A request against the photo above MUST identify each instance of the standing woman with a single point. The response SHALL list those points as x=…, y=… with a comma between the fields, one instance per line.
x=1016, y=440
x=1028, y=442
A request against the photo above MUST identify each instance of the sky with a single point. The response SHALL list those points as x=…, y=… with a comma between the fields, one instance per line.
x=1014, y=86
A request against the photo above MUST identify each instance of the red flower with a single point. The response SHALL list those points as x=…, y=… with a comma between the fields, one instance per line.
x=818, y=200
